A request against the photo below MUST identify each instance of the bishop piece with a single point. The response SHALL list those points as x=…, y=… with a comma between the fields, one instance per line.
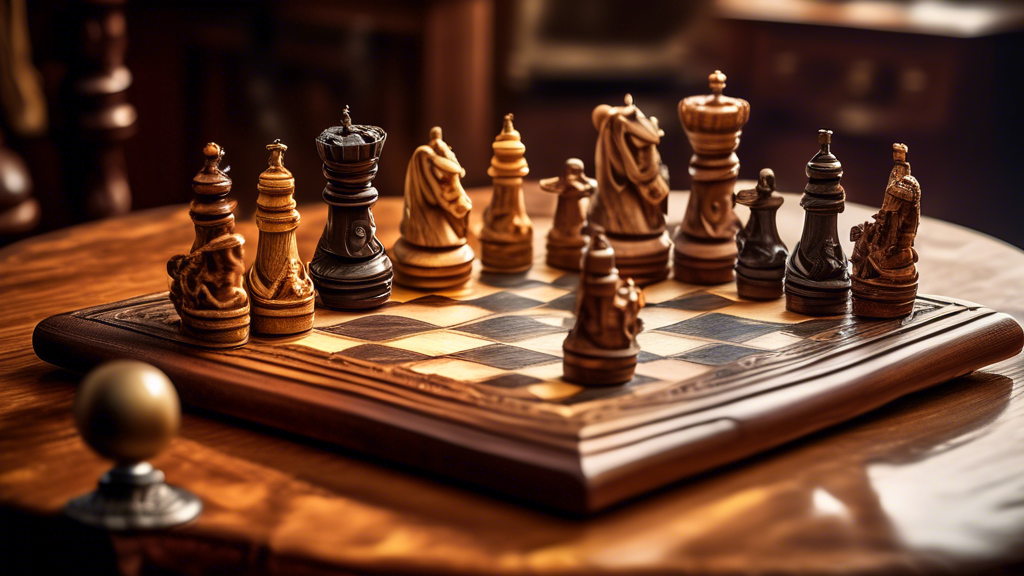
x=762, y=254
x=565, y=239
x=884, y=271
x=506, y=240
x=206, y=285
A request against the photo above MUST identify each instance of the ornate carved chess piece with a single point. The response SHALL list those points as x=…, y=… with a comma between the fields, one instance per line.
x=350, y=269
x=601, y=349
x=281, y=290
x=884, y=280
x=506, y=240
x=705, y=246
x=565, y=239
x=206, y=285
x=762, y=254
x=632, y=193
x=128, y=411
x=432, y=252
x=817, y=279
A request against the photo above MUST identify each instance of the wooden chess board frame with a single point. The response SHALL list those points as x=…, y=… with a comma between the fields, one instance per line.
x=578, y=458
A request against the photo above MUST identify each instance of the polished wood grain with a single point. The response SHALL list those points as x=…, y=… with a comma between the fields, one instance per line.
x=929, y=483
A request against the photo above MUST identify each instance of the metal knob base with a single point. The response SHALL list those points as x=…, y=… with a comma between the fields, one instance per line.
x=134, y=497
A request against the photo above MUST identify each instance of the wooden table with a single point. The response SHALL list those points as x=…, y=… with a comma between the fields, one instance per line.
x=932, y=482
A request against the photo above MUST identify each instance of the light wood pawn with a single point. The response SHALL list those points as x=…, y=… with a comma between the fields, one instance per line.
x=506, y=240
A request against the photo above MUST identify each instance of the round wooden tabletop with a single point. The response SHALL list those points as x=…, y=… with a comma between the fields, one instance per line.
x=934, y=481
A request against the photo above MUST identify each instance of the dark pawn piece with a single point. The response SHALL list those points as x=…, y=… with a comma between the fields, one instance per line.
x=601, y=349
x=762, y=254
x=350, y=269
x=565, y=239
x=817, y=279
x=884, y=270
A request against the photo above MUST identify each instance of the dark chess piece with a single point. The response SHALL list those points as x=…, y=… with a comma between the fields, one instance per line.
x=128, y=411
x=280, y=288
x=632, y=194
x=206, y=285
x=350, y=268
x=762, y=254
x=705, y=242
x=601, y=349
x=817, y=278
x=506, y=239
x=566, y=239
x=884, y=270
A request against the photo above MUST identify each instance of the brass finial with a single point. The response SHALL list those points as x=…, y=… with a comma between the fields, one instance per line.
x=717, y=82
x=825, y=139
x=213, y=153
x=629, y=99
x=765, y=182
x=507, y=127
x=277, y=150
x=899, y=152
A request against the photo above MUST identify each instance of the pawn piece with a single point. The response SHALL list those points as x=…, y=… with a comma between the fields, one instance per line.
x=762, y=254
x=506, y=240
x=884, y=280
x=128, y=411
x=601, y=349
x=632, y=194
x=565, y=239
x=432, y=252
x=281, y=291
x=817, y=279
x=350, y=269
x=206, y=285
x=705, y=245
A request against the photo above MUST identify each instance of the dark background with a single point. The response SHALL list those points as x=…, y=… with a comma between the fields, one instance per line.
x=943, y=77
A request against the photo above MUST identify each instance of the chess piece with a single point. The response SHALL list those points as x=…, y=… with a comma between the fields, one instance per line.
x=705, y=242
x=506, y=240
x=632, y=193
x=432, y=252
x=761, y=265
x=817, y=278
x=280, y=288
x=128, y=411
x=565, y=239
x=206, y=285
x=19, y=210
x=884, y=279
x=350, y=268
x=601, y=349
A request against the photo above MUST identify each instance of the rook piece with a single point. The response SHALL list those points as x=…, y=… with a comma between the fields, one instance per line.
x=350, y=268
x=128, y=411
x=506, y=240
x=705, y=246
x=432, y=252
x=601, y=349
x=884, y=275
x=206, y=285
x=565, y=239
x=817, y=279
x=632, y=193
x=762, y=254
x=281, y=291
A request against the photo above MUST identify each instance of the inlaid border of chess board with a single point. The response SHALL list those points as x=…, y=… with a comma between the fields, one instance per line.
x=571, y=453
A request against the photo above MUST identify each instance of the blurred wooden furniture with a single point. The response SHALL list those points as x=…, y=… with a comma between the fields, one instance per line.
x=929, y=483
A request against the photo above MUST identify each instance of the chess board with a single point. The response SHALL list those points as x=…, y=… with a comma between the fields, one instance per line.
x=467, y=384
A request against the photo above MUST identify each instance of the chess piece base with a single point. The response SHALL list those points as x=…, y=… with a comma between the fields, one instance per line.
x=644, y=260
x=134, y=497
x=565, y=257
x=431, y=268
x=343, y=284
x=508, y=257
x=589, y=370
x=702, y=261
x=217, y=328
x=880, y=300
x=284, y=318
x=758, y=284
x=811, y=298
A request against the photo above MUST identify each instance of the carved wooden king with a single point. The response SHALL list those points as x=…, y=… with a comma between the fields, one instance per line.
x=206, y=285
x=565, y=240
x=280, y=288
x=705, y=242
x=506, y=239
x=761, y=265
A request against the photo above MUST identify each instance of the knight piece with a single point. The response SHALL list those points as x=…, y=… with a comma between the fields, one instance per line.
x=281, y=290
x=350, y=269
x=506, y=240
x=565, y=239
x=601, y=349
x=762, y=254
x=206, y=285
x=884, y=280
x=432, y=252
x=632, y=193
x=817, y=279
x=705, y=242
